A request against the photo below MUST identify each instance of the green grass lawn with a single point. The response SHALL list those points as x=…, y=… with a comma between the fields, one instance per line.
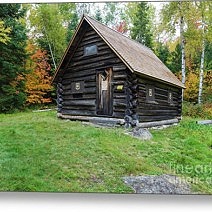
x=39, y=152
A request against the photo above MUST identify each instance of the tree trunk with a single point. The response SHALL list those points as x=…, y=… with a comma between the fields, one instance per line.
x=182, y=47
x=50, y=48
x=201, y=72
x=183, y=51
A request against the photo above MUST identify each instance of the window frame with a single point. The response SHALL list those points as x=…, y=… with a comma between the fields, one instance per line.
x=77, y=87
x=170, y=100
x=150, y=98
x=86, y=54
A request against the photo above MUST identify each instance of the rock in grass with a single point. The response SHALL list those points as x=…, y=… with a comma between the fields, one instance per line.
x=204, y=122
x=141, y=133
x=163, y=184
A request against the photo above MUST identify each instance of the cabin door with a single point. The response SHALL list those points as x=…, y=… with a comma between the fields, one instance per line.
x=104, y=94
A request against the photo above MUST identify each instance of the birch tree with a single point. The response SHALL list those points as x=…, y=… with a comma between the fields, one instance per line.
x=176, y=17
x=205, y=20
x=201, y=66
x=173, y=18
x=182, y=43
x=50, y=23
x=198, y=34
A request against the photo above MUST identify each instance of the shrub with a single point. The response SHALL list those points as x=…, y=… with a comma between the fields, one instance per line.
x=197, y=110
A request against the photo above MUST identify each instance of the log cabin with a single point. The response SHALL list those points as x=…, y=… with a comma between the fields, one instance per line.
x=107, y=77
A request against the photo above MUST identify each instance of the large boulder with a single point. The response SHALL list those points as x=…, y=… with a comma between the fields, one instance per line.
x=141, y=133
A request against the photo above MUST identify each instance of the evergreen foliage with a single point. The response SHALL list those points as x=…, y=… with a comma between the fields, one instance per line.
x=4, y=33
x=98, y=15
x=12, y=59
x=140, y=16
x=72, y=26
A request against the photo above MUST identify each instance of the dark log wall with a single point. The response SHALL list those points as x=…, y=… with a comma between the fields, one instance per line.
x=141, y=109
x=119, y=95
x=161, y=109
x=83, y=68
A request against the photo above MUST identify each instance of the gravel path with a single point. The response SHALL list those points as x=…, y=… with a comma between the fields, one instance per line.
x=163, y=184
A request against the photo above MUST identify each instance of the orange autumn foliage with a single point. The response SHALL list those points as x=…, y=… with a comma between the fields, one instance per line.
x=121, y=27
x=38, y=81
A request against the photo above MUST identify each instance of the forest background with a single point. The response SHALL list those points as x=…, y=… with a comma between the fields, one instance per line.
x=33, y=38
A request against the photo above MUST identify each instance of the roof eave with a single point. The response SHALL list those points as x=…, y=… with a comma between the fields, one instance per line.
x=160, y=80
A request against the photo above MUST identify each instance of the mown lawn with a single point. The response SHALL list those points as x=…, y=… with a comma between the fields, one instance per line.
x=39, y=152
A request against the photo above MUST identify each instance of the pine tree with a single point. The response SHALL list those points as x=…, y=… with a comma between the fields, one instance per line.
x=175, y=61
x=110, y=11
x=98, y=15
x=162, y=51
x=12, y=59
x=72, y=26
x=140, y=17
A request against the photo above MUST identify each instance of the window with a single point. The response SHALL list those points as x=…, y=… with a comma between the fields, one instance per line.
x=150, y=93
x=170, y=97
x=77, y=87
x=90, y=50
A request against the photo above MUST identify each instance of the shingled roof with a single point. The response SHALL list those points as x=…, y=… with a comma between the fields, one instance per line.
x=137, y=57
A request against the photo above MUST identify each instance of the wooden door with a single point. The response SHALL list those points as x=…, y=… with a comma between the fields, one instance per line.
x=104, y=92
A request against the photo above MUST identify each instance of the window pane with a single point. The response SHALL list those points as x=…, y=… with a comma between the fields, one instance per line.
x=90, y=50
x=170, y=97
x=150, y=93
